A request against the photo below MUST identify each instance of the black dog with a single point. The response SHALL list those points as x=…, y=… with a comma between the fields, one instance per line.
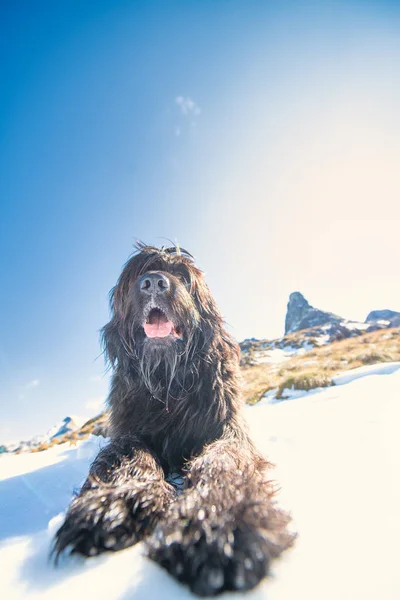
x=175, y=406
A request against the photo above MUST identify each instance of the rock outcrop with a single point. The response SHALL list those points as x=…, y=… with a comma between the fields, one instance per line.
x=391, y=316
x=301, y=315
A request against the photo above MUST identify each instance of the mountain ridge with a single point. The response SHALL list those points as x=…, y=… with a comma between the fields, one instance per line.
x=300, y=315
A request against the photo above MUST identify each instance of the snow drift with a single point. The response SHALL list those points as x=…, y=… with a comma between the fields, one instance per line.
x=337, y=452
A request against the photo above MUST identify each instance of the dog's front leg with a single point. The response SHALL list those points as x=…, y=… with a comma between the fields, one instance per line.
x=221, y=533
x=120, y=502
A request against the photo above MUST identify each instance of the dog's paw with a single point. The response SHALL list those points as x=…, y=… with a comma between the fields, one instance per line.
x=110, y=519
x=212, y=553
x=238, y=562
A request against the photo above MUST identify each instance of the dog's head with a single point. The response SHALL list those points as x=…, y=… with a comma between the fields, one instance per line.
x=162, y=311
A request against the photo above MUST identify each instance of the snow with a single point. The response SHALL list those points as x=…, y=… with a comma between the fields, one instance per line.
x=278, y=355
x=322, y=340
x=355, y=325
x=337, y=452
x=379, y=369
x=275, y=355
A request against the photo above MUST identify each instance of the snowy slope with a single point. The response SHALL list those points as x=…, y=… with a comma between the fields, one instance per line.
x=338, y=456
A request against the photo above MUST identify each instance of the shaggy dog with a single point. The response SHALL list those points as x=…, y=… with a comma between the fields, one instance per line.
x=175, y=406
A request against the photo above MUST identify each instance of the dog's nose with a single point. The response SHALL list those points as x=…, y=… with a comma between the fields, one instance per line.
x=153, y=284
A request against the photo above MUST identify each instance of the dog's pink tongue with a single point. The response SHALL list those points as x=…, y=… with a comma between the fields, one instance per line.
x=158, y=329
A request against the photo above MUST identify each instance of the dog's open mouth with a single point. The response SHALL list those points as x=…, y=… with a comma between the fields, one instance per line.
x=157, y=325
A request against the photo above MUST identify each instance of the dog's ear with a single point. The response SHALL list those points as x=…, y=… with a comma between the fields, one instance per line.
x=110, y=343
x=115, y=346
x=205, y=302
x=120, y=294
x=211, y=318
x=212, y=322
x=117, y=350
x=119, y=297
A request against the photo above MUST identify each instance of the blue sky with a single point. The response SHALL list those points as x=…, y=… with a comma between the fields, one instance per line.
x=263, y=136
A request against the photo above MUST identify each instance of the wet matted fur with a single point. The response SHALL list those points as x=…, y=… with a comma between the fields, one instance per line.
x=175, y=406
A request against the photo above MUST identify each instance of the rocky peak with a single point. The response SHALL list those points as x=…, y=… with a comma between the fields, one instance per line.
x=383, y=315
x=301, y=315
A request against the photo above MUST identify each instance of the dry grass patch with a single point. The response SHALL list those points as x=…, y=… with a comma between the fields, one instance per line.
x=371, y=358
x=327, y=361
x=304, y=381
